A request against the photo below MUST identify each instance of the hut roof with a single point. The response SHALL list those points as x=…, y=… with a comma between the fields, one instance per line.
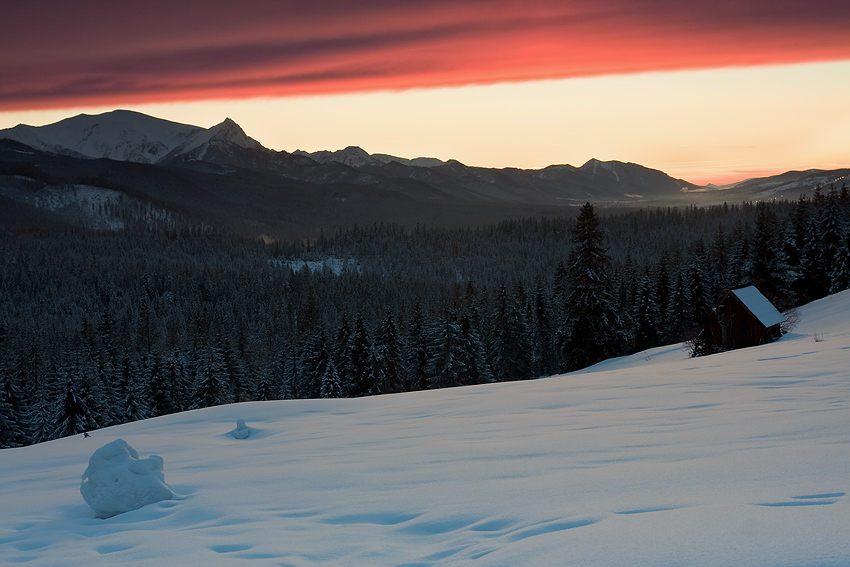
x=759, y=306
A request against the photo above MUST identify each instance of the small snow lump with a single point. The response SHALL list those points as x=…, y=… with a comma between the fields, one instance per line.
x=242, y=431
x=117, y=481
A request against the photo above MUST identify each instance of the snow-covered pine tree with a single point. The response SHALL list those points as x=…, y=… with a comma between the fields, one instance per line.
x=174, y=375
x=416, y=351
x=740, y=257
x=235, y=369
x=840, y=274
x=646, y=315
x=663, y=297
x=510, y=344
x=700, y=296
x=331, y=387
x=339, y=351
x=473, y=353
x=12, y=412
x=361, y=380
x=814, y=278
x=593, y=328
x=445, y=354
x=42, y=414
x=544, y=357
x=268, y=383
x=160, y=387
x=387, y=357
x=719, y=261
x=286, y=366
x=312, y=364
x=768, y=271
x=211, y=381
x=832, y=228
x=75, y=415
x=133, y=397
x=794, y=242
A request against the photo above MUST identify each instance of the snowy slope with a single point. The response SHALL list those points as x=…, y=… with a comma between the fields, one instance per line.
x=738, y=458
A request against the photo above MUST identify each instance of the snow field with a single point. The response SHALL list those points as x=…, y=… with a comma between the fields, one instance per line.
x=739, y=458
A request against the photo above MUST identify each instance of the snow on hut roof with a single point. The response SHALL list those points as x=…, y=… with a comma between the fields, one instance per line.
x=759, y=306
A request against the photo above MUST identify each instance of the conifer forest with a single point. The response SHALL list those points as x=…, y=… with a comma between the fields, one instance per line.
x=104, y=327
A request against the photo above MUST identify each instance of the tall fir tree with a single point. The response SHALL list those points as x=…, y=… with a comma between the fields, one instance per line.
x=813, y=282
x=12, y=412
x=331, y=387
x=593, y=329
x=75, y=413
x=646, y=316
x=211, y=381
x=768, y=270
x=510, y=343
x=417, y=352
x=544, y=357
x=361, y=379
x=388, y=360
x=473, y=353
x=312, y=364
x=445, y=354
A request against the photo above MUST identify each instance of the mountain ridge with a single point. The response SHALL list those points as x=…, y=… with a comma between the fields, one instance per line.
x=231, y=180
x=126, y=135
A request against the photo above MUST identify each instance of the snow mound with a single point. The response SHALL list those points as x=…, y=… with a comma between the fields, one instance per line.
x=242, y=431
x=117, y=481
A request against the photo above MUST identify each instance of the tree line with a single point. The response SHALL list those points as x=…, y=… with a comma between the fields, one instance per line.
x=99, y=328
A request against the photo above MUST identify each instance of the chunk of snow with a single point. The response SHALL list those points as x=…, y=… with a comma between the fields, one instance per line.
x=242, y=431
x=117, y=481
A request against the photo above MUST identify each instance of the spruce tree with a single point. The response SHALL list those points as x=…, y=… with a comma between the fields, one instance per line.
x=445, y=354
x=840, y=274
x=388, y=361
x=312, y=364
x=646, y=316
x=475, y=369
x=593, y=329
x=768, y=270
x=361, y=379
x=41, y=414
x=510, y=345
x=331, y=387
x=544, y=357
x=12, y=413
x=814, y=277
x=211, y=381
x=75, y=414
x=132, y=391
x=417, y=353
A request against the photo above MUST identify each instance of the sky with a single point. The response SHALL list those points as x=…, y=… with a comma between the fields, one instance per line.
x=707, y=91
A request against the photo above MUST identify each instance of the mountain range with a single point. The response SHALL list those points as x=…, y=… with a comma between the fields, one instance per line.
x=226, y=178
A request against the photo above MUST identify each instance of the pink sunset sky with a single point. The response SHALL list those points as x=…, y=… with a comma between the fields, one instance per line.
x=708, y=91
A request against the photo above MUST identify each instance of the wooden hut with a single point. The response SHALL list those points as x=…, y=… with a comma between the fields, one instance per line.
x=742, y=318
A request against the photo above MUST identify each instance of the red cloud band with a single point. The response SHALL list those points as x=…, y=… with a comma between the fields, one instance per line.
x=66, y=53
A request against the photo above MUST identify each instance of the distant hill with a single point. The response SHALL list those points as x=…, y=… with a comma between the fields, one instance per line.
x=228, y=179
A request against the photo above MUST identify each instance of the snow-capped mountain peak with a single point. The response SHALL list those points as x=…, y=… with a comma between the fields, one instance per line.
x=124, y=135
x=121, y=135
x=219, y=137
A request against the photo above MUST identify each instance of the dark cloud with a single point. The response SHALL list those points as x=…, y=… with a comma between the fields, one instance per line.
x=61, y=53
